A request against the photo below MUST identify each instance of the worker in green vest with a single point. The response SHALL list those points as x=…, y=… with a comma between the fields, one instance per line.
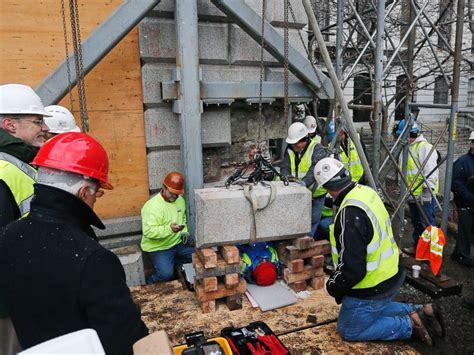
x=22, y=132
x=298, y=164
x=367, y=275
x=423, y=190
x=312, y=126
x=350, y=157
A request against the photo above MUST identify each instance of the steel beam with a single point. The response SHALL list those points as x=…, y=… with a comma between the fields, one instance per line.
x=301, y=67
x=188, y=105
x=226, y=90
x=95, y=47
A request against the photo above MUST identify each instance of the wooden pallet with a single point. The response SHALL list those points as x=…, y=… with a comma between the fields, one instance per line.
x=218, y=277
x=304, y=261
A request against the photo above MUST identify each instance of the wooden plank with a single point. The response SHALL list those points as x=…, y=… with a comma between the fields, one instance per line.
x=230, y=253
x=167, y=306
x=308, y=273
x=221, y=269
x=325, y=339
x=221, y=291
x=303, y=243
x=208, y=257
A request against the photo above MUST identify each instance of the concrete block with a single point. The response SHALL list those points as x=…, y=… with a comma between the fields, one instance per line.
x=160, y=163
x=228, y=73
x=162, y=128
x=224, y=216
x=158, y=41
x=132, y=262
x=119, y=242
x=152, y=76
x=119, y=226
x=205, y=9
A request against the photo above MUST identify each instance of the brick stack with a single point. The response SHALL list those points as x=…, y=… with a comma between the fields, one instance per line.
x=304, y=261
x=218, y=277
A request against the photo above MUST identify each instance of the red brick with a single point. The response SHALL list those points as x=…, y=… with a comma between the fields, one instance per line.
x=230, y=253
x=317, y=282
x=298, y=286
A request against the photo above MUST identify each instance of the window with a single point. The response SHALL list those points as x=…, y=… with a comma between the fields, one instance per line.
x=362, y=96
x=470, y=93
x=441, y=91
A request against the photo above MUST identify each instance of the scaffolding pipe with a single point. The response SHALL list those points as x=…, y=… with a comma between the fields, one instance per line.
x=339, y=94
x=454, y=115
x=377, y=113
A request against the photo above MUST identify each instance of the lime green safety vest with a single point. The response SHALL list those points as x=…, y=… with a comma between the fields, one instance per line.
x=252, y=261
x=412, y=168
x=316, y=138
x=20, y=178
x=303, y=167
x=352, y=162
x=382, y=251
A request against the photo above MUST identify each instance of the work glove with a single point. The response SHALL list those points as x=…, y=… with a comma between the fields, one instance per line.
x=426, y=196
x=187, y=239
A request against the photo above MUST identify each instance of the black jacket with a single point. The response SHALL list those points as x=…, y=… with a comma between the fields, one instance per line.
x=56, y=278
x=353, y=231
x=463, y=168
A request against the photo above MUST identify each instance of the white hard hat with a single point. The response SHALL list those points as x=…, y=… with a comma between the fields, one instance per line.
x=296, y=132
x=61, y=120
x=17, y=99
x=471, y=137
x=310, y=123
x=326, y=169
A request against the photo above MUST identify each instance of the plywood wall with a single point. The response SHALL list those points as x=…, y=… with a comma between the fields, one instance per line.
x=32, y=44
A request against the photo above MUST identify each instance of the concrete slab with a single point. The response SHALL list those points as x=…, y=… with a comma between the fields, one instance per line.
x=160, y=163
x=158, y=41
x=120, y=226
x=228, y=73
x=162, y=127
x=132, y=262
x=224, y=216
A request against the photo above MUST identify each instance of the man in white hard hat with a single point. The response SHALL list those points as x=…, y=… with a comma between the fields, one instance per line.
x=463, y=170
x=298, y=164
x=367, y=275
x=61, y=121
x=22, y=132
x=312, y=126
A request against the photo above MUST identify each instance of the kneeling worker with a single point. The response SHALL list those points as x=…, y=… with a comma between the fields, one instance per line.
x=260, y=264
x=367, y=275
x=164, y=225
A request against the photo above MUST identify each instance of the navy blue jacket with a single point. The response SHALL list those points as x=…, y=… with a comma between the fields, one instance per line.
x=463, y=168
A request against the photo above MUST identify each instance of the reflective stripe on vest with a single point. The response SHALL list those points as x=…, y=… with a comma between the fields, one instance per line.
x=412, y=168
x=304, y=166
x=248, y=264
x=20, y=178
x=382, y=251
x=352, y=162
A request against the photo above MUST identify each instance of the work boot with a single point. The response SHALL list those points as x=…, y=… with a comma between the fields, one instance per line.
x=433, y=319
x=419, y=330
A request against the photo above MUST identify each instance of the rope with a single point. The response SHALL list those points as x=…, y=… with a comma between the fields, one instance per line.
x=249, y=194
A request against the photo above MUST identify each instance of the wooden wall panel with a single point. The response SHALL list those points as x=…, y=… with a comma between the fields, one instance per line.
x=32, y=44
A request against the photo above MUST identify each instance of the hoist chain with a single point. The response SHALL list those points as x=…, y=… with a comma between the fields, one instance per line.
x=260, y=93
x=78, y=62
x=68, y=67
x=306, y=49
x=285, y=60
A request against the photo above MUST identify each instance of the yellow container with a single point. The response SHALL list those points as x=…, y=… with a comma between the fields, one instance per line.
x=178, y=350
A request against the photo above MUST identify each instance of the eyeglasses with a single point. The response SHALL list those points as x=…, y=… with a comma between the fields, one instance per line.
x=36, y=121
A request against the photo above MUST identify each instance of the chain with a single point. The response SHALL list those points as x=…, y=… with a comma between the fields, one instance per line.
x=77, y=46
x=69, y=85
x=260, y=93
x=285, y=60
x=306, y=49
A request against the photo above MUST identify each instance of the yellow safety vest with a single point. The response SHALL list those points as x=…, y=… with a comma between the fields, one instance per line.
x=316, y=138
x=382, y=251
x=352, y=161
x=412, y=168
x=20, y=178
x=303, y=167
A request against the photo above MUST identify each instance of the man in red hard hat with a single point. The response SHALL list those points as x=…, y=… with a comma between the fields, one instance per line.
x=260, y=263
x=55, y=278
x=164, y=229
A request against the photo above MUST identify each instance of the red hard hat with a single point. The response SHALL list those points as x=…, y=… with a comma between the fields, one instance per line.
x=174, y=182
x=265, y=274
x=76, y=153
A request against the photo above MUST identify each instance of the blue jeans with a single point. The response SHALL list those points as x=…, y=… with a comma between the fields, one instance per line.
x=316, y=210
x=323, y=229
x=164, y=262
x=383, y=319
x=417, y=220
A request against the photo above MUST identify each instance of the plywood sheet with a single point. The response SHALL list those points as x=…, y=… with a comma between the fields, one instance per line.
x=168, y=307
x=325, y=340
